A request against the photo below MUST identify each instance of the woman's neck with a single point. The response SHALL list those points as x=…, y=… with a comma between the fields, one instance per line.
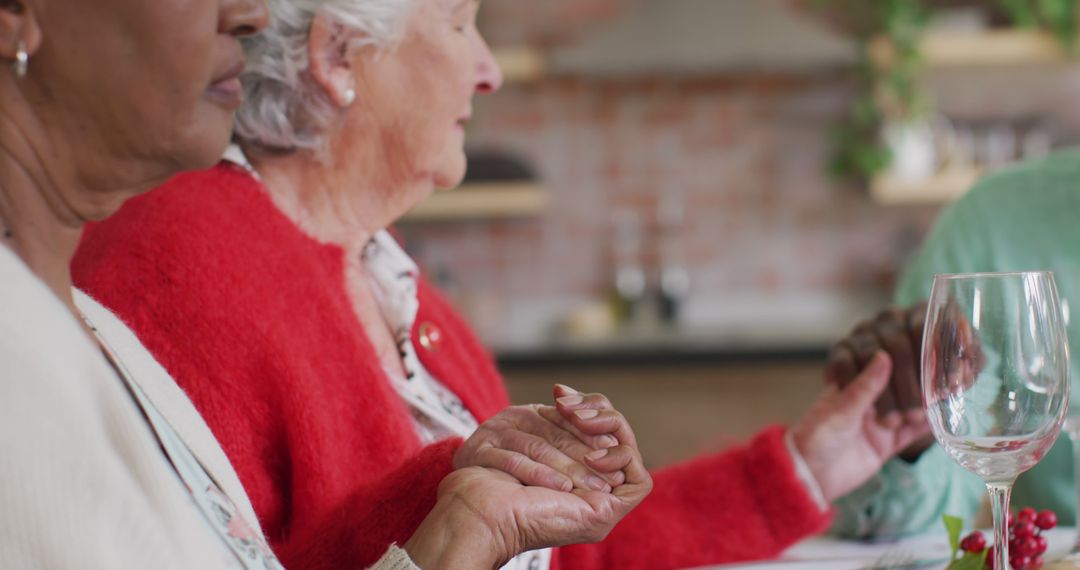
x=313, y=196
x=330, y=201
x=37, y=221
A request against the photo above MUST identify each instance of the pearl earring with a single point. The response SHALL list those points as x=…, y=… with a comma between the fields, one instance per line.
x=22, y=60
x=349, y=96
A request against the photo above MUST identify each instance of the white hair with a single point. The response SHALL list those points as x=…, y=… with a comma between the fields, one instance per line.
x=284, y=109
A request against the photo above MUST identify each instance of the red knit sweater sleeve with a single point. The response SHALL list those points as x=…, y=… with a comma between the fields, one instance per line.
x=742, y=504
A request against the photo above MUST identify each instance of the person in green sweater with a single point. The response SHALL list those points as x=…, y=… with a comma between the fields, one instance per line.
x=1024, y=218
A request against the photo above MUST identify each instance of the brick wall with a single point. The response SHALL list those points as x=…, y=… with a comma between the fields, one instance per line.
x=764, y=225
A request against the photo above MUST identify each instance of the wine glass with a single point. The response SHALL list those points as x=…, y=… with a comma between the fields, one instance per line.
x=995, y=368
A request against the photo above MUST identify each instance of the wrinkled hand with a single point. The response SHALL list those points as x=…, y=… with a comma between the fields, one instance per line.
x=486, y=516
x=524, y=518
x=592, y=419
x=842, y=438
x=538, y=446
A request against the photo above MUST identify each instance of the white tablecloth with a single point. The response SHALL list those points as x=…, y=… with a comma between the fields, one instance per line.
x=833, y=554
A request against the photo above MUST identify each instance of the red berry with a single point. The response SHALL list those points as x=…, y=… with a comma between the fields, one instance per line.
x=1040, y=545
x=1024, y=530
x=1027, y=547
x=1036, y=563
x=1027, y=514
x=990, y=558
x=974, y=542
x=1019, y=562
x=1046, y=520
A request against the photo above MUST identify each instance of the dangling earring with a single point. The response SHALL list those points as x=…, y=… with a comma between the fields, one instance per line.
x=349, y=96
x=22, y=60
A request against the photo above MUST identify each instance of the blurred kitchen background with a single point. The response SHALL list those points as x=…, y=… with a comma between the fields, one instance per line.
x=684, y=203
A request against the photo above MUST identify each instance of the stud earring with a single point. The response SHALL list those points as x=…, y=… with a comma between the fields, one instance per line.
x=22, y=60
x=349, y=96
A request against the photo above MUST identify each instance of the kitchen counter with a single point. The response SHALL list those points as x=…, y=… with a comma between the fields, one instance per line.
x=670, y=345
x=714, y=331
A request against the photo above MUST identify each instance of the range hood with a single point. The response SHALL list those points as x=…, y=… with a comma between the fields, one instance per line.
x=702, y=37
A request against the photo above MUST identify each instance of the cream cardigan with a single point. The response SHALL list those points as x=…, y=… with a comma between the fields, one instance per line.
x=83, y=481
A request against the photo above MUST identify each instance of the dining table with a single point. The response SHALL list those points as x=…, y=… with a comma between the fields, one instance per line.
x=928, y=551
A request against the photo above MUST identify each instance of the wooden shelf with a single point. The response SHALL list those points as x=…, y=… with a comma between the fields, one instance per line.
x=521, y=64
x=946, y=51
x=941, y=188
x=1007, y=47
x=479, y=201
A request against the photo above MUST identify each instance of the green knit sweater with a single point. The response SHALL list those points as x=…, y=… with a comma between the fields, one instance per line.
x=1024, y=218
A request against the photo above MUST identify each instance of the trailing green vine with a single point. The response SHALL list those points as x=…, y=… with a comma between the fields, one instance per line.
x=885, y=92
x=888, y=88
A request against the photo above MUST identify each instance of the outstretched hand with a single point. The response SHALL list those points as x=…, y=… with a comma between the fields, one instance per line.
x=898, y=332
x=845, y=441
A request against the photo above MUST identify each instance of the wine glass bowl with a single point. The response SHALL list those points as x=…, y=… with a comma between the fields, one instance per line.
x=995, y=366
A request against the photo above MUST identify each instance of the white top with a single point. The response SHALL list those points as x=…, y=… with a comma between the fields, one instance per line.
x=437, y=412
x=241, y=538
x=83, y=481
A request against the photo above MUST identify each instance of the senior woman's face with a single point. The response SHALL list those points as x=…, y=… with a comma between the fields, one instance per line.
x=147, y=84
x=423, y=90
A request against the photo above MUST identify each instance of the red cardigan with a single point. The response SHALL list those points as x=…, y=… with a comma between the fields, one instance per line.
x=252, y=319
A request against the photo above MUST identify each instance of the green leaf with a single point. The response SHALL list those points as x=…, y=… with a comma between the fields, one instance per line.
x=955, y=525
x=970, y=561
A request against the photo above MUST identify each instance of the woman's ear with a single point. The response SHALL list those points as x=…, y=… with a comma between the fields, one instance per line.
x=19, y=29
x=329, y=61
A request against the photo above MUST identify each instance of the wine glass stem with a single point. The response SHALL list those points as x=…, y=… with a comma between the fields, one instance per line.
x=999, y=505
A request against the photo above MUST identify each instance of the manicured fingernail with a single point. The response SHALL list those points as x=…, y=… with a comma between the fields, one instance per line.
x=597, y=483
x=586, y=414
x=596, y=454
x=567, y=389
x=606, y=441
x=570, y=400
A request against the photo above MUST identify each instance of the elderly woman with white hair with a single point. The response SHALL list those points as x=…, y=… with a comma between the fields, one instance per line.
x=342, y=385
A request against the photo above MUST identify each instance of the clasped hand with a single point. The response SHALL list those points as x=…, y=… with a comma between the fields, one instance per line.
x=537, y=476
